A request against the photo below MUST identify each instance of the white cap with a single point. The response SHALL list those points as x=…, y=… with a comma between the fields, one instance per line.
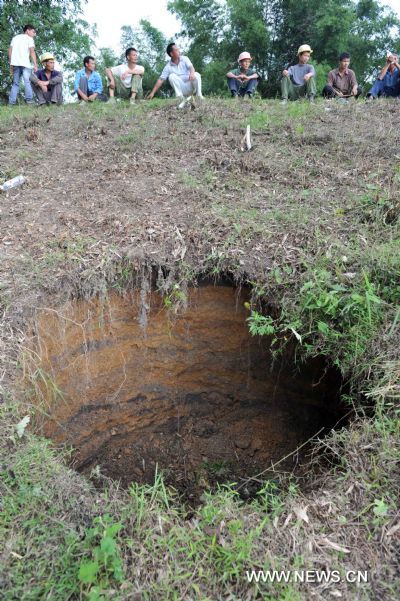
x=243, y=56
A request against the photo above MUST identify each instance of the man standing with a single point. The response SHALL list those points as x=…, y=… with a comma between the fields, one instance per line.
x=20, y=53
x=180, y=73
x=342, y=82
x=88, y=84
x=47, y=82
x=388, y=82
x=299, y=80
x=126, y=80
x=242, y=81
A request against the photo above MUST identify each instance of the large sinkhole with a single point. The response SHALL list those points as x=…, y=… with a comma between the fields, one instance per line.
x=193, y=395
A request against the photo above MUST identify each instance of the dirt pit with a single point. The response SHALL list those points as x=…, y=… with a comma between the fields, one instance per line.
x=194, y=394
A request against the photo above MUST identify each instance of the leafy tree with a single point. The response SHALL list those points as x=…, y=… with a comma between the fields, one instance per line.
x=105, y=57
x=375, y=30
x=204, y=24
x=151, y=43
x=60, y=29
x=215, y=31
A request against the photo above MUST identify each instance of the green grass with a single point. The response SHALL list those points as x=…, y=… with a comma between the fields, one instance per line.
x=188, y=180
x=128, y=140
x=332, y=314
x=64, y=540
x=268, y=114
x=31, y=520
x=9, y=114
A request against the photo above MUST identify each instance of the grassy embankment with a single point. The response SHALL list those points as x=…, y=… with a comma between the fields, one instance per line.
x=310, y=218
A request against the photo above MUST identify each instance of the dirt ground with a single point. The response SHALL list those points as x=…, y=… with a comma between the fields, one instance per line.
x=175, y=190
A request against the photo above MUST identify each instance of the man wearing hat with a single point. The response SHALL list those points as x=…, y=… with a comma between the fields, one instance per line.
x=47, y=82
x=242, y=81
x=388, y=82
x=299, y=80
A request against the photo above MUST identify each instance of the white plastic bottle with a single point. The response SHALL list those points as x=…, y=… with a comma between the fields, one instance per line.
x=13, y=183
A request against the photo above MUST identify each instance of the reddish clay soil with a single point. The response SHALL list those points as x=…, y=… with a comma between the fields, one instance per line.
x=194, y=393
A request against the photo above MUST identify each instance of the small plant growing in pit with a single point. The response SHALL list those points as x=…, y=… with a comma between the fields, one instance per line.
x=104, y=568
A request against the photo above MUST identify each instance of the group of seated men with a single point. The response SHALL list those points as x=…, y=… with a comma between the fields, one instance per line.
x=299, y=80
x=125, y=80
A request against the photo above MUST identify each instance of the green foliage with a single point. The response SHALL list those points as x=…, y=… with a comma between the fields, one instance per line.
x=203, y=21
x=321, y=70
x=330, y=316
x=41, y=544
x=214, y=78
x=106, y=57
x=261, y=325
x=271, y=498
x=176, y=297
x=258, y=120
x=272, y=32
x=60, y=30
x=151, y=44
x=105, y=565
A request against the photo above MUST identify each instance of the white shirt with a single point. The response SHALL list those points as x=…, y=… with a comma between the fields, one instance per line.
x=21, y=45
x=182, y=69
x=120, y=70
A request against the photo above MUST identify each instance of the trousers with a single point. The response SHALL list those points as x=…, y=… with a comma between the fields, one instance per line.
x=25, y=73
x=185, y=88
x=293, y=92
x=329, y=92
x=136, y=87
x=379, y=89
x=237, y=88
x=54, y=94
x=83, y=86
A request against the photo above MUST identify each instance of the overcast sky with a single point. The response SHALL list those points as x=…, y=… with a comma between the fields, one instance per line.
x=110, y=16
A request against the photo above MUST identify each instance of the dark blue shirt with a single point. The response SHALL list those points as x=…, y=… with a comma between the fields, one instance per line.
x=41, y=74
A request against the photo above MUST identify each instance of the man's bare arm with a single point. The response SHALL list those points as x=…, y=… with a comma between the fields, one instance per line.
x=156, y=87
x=137, y=70
x=55, y=80
x=110, y=77
x=33, y=57
x=9, y=59
x=384, y=71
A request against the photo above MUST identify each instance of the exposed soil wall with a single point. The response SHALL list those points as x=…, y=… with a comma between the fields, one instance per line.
x=193, y=393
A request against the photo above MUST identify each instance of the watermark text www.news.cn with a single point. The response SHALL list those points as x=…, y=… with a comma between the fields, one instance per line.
x=307, y=576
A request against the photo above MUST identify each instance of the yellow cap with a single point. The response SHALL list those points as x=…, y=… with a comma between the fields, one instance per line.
x=304, y=48
x=47, y=56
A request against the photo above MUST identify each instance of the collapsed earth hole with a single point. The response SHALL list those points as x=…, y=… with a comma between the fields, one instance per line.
x=194, y=394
